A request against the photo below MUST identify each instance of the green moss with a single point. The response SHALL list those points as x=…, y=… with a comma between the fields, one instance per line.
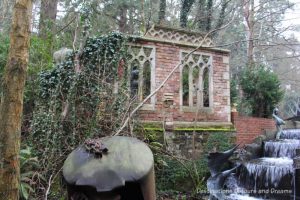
x=206, y=129
x=153, y=129
x=152, y=125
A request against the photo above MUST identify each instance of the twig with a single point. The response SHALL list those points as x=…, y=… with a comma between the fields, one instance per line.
x=183, y=164
x=63, y=28
x=166, y=79
x=75, y=34
x=50, y=182
x=48, y=188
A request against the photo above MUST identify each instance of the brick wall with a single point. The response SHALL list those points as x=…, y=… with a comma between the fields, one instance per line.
x=248, y=128
x=167, y=57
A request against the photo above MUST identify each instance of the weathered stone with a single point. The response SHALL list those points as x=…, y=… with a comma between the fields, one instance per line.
x=270, y=135
x=226, y=75
x=254, y=150
x=127, y=160
x=297, y=174
x=60, y=55
x=297, y=152
x=292, y=124
x=259, y=140
x=225, y=60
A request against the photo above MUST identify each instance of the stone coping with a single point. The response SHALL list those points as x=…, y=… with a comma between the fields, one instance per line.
x=178, y=43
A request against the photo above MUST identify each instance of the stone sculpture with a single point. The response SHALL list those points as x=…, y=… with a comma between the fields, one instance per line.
x=61, y=55
x=279, y=122
x=216, y=181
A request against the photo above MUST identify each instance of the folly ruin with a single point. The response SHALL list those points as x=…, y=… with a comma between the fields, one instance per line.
x=198, y=91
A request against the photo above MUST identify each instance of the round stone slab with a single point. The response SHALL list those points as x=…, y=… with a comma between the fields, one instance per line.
x=127, y=159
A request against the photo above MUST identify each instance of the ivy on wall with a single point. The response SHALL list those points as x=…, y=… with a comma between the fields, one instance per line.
x=72, y=106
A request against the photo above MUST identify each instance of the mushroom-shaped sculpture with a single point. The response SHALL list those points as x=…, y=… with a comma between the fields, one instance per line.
x=110, y=168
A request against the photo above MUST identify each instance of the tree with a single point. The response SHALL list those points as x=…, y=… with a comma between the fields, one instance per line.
x=12, y=100
x=261, y=89
x=47, y=18
x=185, y=10
x=249, y=18
x=207, y=15
x=291, y=105
x=162, y=11
x=47, y=25
x=6, y=7
x=262, y=23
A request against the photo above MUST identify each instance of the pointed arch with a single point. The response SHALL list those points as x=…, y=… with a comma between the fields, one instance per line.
x=141, y=73
x=196, y=82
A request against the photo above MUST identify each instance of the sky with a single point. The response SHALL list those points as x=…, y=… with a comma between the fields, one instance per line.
x=292, y=17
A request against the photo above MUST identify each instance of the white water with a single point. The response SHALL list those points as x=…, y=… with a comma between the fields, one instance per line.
x=283, y=161
x=242, y=197
x=290, y=134
x=269, y=171
x=281, y=148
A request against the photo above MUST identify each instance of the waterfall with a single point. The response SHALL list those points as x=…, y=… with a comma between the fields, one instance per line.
x=267, y=173
x=290, y=134
x=270, y=177
x=241, y=197
x=281, y=148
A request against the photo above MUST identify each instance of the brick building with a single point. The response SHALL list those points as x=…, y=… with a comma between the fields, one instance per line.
x=199, y=88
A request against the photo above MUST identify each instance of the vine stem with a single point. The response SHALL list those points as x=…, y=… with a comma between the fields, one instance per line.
x=165, y=80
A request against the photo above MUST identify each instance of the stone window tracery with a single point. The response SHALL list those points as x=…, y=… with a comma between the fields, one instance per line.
x=196, y=80
x=141, y=71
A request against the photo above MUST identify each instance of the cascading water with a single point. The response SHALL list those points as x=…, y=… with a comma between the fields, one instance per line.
x=273, y=175
x=281, y=148
x=290, y=134
x=264, y=173
x=267, y=178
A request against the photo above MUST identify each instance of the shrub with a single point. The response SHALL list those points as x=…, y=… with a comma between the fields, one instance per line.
x=189, y=176
x=261, y=89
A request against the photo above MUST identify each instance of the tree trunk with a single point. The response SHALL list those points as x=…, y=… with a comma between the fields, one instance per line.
x=184, y=12
x=162, y=12
x=209, y=15
x=123, y=19
x=249, y=18
x=12, y=100
x=6, y=7
x=47, y=18
x=143, y=23
x=221, y=17
x=201, y=15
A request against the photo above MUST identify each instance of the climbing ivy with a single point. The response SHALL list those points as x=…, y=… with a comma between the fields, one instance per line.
x=73, y=105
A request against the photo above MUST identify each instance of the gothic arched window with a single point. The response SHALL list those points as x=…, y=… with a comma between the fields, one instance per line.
x=195, y=89
x=142, y=71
